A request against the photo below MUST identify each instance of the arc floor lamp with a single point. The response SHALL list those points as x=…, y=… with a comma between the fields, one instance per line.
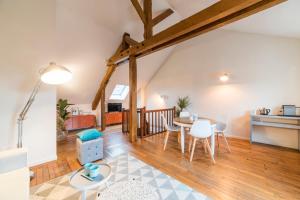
x=52, y=74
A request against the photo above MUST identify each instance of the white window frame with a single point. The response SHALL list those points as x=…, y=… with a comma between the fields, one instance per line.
x=120, y=92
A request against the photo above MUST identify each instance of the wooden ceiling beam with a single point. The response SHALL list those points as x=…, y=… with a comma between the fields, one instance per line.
x=148, y=27
x=130, y=41
x=139, y=10
x=109, y=71
x=217, y=15
x=220, y=17
x=215, y=25
x=162, y=16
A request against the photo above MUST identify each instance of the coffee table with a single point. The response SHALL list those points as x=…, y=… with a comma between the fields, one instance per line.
x=83, y=184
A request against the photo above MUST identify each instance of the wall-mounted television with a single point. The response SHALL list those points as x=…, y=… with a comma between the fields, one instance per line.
x=114, y=107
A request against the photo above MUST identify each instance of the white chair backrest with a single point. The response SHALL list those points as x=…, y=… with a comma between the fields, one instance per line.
x=201, y=129
x=220, y=127
x=164, y=121
x=184, y=114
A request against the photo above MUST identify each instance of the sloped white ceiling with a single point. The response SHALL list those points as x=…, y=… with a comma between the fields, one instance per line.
x=186, y=8
x=88, y=32
x=281, y=20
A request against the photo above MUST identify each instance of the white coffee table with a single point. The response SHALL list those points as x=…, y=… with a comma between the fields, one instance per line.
x=83, y=184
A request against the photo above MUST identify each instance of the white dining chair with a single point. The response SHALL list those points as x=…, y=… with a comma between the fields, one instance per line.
x=169, y=129
x=184, y=114
x=201, y=130
x=220, y=130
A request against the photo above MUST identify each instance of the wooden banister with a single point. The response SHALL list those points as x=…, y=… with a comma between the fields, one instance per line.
x=149, y=121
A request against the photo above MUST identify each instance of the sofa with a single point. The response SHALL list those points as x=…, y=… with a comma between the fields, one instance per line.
x=14, y=175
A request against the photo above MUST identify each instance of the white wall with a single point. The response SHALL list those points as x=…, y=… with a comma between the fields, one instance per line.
x=85, y=109
x=264, y=71
x=27, y=44
x=40, y=127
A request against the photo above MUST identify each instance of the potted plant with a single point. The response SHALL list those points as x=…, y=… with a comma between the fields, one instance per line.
x=62, y=115
x=182, y=103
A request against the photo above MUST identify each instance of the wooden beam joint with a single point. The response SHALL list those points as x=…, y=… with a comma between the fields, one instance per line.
x=130, y=41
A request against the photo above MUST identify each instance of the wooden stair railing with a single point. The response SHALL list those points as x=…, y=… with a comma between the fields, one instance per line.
x=149, y=121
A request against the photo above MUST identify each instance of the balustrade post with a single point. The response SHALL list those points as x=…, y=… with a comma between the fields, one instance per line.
x=143, y=121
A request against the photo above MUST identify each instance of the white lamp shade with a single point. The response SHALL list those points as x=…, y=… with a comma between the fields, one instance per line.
x=55, y=74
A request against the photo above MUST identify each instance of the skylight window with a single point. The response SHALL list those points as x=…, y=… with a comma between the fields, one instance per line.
x=120, y=92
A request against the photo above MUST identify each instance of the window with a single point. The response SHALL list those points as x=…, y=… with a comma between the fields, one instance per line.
x=120, y=92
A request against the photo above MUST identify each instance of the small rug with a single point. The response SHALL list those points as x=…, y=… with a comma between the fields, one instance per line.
x=125, y=168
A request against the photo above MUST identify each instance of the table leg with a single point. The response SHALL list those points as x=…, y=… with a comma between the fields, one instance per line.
x=182, y=139
x=212, y=142
x=83, y=195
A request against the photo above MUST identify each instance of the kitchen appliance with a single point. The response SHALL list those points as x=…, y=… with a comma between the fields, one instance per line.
x=289, y=110
x=264, y=111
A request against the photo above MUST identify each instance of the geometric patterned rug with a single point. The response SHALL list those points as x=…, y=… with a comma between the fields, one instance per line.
x=124, y=168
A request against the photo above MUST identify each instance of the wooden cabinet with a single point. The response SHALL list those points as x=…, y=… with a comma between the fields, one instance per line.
x=113, y=118
x=80, y=122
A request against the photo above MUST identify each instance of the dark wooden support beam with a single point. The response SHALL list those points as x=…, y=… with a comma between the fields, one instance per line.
x=139, y=10
x=215, y=16
x=162, y=16
x=148, y=25
x=125, y=45
x=110, y=70
x=132, y=99
x=103, y=121
x=130, y=41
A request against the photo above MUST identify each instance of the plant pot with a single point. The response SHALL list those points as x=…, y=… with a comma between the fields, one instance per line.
x=61, y=135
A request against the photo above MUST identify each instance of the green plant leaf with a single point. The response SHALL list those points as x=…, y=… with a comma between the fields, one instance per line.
x=183, y=103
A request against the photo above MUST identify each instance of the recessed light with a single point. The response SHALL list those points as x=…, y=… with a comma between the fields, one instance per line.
x=224, y=77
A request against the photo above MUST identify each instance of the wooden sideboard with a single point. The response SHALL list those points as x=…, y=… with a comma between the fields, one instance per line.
x=76, y=122
x=112, y=118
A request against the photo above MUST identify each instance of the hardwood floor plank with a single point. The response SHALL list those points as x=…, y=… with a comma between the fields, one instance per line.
x=251, y=171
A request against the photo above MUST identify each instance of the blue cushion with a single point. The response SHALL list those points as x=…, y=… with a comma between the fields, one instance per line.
x=89, y=134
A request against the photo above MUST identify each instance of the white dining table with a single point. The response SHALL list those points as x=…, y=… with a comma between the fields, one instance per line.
x=187, y=123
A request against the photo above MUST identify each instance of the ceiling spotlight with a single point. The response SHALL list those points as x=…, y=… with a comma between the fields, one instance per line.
x=224, y=77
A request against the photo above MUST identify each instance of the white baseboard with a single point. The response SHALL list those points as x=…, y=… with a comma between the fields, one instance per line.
x=44, y=160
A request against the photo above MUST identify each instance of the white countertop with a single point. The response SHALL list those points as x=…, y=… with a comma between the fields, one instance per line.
x=276, y=117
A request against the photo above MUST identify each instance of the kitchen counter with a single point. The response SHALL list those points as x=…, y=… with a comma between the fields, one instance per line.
x=276, y=121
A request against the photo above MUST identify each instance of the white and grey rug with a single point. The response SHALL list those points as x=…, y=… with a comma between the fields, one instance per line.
x=125, y=168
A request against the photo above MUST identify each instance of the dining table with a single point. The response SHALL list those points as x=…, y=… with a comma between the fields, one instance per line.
x=187, y=122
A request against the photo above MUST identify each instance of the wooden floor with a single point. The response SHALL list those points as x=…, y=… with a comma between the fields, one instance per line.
x=250, y=172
